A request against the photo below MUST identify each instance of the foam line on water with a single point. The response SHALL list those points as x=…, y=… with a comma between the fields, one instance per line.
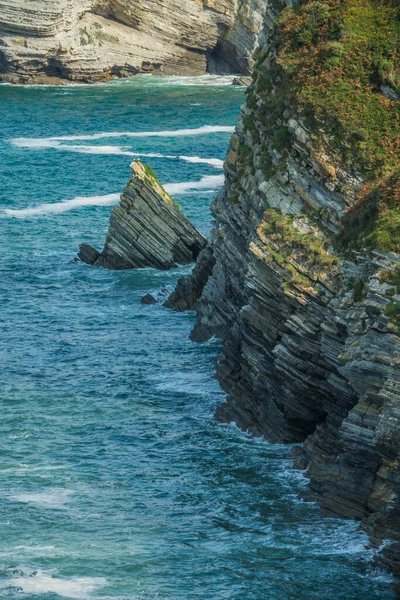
x=42, y=144
x=174, y=81
x=187, y=81
x=60, y=207
x=214, y=162
x=207, y=184
x=204, y=130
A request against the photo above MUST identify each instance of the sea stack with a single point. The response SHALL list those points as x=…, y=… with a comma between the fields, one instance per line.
x=147, y=229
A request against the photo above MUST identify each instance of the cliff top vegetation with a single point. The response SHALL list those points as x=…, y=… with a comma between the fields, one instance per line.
x=338, y=64
x=342, y=58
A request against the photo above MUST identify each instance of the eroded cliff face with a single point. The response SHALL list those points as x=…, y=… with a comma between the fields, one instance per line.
x=98, y=39
x=305, y=291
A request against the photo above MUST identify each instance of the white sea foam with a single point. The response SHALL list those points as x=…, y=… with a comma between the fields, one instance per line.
x=45, y=143
x=60, y=207
x=213, y=162
x=185, y=81
x=31, y=469
x=74, y=587
x=52, y=498
x=209, y=182
x=150, y=80
x=36, y=549
x=198, y=384
x=204, y=130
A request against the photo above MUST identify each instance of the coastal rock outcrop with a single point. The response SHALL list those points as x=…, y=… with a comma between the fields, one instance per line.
x=147, y=229
x=189, y=289
x=305, y=249
x=50, y=40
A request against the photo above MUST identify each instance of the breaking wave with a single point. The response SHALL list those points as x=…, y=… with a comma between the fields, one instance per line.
x=60, y=207
x=45, y=143
x=209, y=183
x=204, y=130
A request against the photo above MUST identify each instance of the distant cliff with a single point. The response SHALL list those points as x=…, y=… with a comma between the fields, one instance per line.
x=305, y=289
x=91, y=40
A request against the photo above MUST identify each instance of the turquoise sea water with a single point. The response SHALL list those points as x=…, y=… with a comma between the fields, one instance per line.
x=116, y=481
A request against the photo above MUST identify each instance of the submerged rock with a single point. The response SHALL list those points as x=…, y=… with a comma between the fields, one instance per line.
x=88, y=254
x=148, y=299
x=147, y=229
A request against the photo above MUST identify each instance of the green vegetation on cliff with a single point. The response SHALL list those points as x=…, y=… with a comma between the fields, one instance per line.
x=337, y=65
x=374, y=220
x=339, y=56
x=152, y=178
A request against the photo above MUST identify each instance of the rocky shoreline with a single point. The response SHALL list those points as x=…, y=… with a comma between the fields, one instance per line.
x=310, y=328
x=301, y=276
x=97, y=40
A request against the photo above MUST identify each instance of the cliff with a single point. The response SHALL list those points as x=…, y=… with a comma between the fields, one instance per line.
x=48, y=40
x=305, y=287
x=147, y=229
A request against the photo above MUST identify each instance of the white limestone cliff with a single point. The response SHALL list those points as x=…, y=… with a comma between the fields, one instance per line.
x=48, y=40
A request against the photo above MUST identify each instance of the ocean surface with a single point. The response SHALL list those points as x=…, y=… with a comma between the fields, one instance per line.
x=116, y=481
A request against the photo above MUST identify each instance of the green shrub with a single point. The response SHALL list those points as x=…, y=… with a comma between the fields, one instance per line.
x=392, y=311
x=334, y=54
x=358, y=290
x=391, y=277
x=387, y=74
x=267, y=166
x=318, y=13
x=305, y=35
x=336, y=30
x=281, y=139
x=245, y=157
x=374, y=220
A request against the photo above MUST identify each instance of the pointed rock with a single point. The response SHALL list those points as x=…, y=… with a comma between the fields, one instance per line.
x=147, y=229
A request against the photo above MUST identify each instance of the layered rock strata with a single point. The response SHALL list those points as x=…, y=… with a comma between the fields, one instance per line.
x=309, y=319
x=45, y=40
x=189, y=289
x=147, y=229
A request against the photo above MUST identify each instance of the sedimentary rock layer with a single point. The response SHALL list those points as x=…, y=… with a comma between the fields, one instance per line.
x=97, y=39
x=147, y=229
x=189, y=289
x=306, y=302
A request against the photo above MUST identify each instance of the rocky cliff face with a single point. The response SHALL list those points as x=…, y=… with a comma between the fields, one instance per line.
x=147, y=229
x=305, y=288
x=97, y=39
